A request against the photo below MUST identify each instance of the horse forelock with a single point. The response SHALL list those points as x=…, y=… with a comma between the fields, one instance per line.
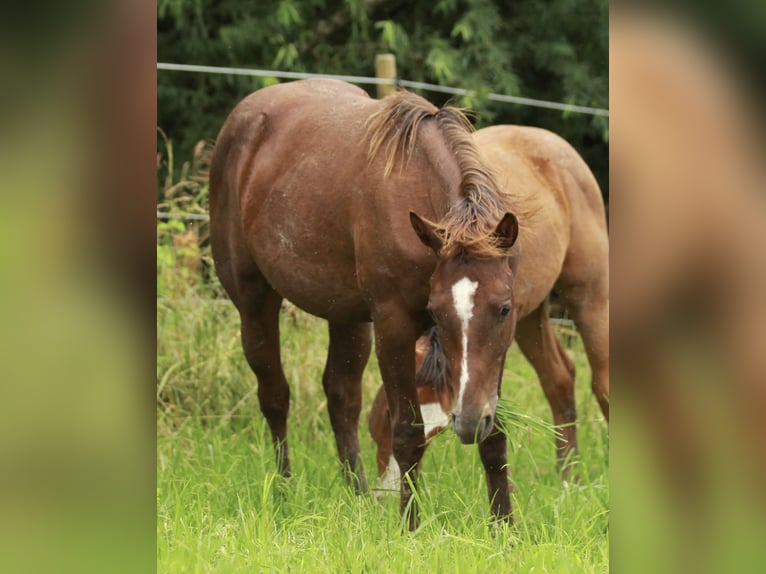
x=468, y=227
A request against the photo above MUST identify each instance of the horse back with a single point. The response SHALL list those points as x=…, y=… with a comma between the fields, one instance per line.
x=556, y=198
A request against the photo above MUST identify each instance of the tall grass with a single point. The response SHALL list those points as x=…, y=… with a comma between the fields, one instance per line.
x=222, y=508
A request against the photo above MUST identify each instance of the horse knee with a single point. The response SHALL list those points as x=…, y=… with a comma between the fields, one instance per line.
x=494, y=452
x=334, y=392
x=274, y=400
x=408, y=444
x=560, y=391
x=259, y=356
x=343, y=406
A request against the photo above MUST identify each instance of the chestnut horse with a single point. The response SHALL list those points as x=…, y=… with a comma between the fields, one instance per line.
x=565, y=247
x=361, y=210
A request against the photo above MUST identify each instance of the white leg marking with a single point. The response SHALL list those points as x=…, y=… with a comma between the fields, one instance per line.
x=434, y=417
x=462, y=296
x=390, y=478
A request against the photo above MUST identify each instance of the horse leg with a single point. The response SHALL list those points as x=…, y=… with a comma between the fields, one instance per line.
x=395, y=336
x=589, y=307
x=584, y=289
x=342, y=382
x=380, y=430
x=555, y=370
x=259, y=307
x=493, y=451
x=435, y=400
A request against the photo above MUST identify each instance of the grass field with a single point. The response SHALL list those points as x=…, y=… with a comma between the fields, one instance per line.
x=222, y=508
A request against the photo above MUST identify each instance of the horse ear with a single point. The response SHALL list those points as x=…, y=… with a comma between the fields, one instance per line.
x=426, y=232
x=507, y=231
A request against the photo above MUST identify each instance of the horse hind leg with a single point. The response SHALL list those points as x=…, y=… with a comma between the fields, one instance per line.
x=259, y=307
x=589, y=306
x=342, y=382
x=584, y=289
x=555, y=369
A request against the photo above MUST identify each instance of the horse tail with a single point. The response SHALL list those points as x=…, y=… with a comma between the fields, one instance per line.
x=434, y=370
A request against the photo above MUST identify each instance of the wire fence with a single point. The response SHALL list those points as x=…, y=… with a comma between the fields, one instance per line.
x=369, y=80
x=183, y=216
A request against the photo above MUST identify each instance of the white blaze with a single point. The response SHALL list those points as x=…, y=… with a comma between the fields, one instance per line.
x=434, y=417
x=462, y=296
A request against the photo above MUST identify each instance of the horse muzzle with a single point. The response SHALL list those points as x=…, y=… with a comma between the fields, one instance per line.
x=473, y=428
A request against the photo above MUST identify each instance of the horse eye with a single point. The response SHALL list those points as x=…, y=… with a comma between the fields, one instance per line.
x=504, y=311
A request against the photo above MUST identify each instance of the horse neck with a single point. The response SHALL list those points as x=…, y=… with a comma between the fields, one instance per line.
x=445, y=168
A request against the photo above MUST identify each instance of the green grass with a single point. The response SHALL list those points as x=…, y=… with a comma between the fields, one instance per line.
x=222, y=508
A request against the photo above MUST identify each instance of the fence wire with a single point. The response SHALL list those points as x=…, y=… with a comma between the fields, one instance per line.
x=184, y=216
x=382, y=81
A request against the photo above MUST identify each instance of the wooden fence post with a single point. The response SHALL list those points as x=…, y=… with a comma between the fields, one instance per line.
x=385, y=67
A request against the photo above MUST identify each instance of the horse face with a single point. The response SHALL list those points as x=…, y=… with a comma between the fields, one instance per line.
x=471, y=303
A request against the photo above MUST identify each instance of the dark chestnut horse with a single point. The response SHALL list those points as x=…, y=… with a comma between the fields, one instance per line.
x=361, y=210
x=565, y=247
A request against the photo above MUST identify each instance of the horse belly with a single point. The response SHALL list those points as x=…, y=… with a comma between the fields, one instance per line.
x=319, y=293
x=309, y=262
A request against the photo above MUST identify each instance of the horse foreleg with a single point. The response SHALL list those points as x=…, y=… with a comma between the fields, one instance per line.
x=408, y=446
x=395, y=336
x=493, y=451
x=342, y=381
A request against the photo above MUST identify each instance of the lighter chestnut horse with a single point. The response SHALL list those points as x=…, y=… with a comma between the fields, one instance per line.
x=360, y=210
x=564, y=244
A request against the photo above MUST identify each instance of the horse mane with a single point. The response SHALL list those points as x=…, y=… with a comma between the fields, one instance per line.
x=434, y=369
x=468, y=227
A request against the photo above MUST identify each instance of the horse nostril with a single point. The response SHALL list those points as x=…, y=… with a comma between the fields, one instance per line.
x=454, y=418
x=487, y=422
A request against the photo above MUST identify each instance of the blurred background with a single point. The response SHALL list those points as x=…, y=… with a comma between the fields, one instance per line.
x=688, y=281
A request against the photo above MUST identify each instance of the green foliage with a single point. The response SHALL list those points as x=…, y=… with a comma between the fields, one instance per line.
x=553, y=49
x=183, y=251
x=393, y=37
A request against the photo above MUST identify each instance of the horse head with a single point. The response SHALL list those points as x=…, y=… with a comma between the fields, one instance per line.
x=471, y=304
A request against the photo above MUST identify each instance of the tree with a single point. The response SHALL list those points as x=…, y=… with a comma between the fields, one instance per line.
x=555, y=50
